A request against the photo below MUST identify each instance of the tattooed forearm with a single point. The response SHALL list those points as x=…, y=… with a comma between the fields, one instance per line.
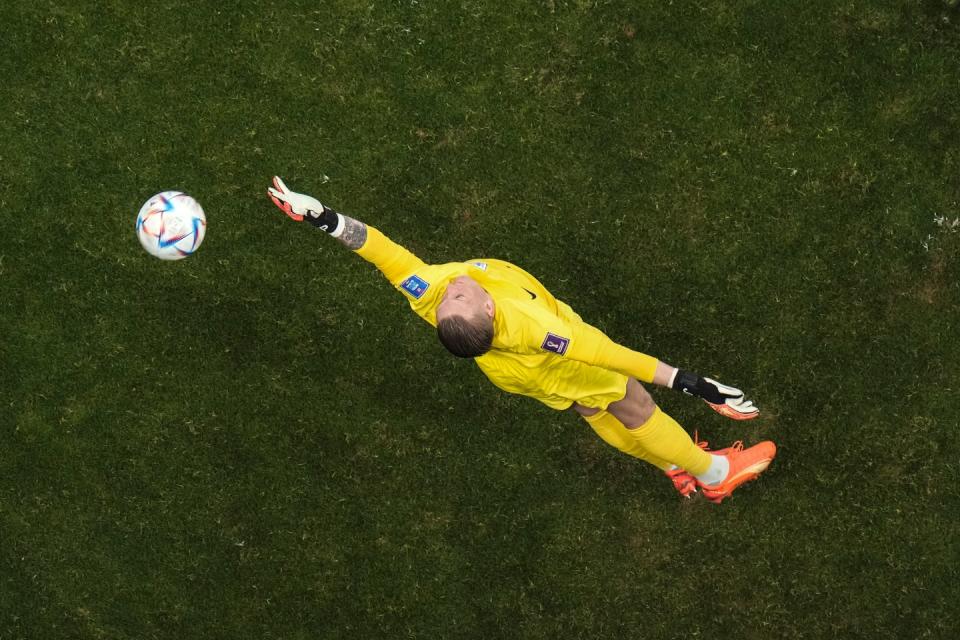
x=350, y=232
x=354, y=233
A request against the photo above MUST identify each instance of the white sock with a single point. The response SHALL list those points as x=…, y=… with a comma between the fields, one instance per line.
x=717, y=471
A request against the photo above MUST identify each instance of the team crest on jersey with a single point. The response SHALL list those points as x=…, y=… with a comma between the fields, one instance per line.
x=415, y=286
x=555, y=343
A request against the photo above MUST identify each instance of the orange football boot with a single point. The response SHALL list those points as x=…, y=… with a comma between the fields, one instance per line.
x=745, y=465
x=683, y=482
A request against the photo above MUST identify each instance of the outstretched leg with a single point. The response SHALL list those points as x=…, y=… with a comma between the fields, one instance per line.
x=652, y=435
x=653, y=431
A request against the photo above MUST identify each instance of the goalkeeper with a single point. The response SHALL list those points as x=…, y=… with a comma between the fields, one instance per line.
x=528, y=342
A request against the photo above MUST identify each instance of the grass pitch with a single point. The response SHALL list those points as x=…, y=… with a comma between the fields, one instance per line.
x=261, y=441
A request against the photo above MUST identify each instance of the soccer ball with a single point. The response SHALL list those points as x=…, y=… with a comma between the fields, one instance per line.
x=171, y=225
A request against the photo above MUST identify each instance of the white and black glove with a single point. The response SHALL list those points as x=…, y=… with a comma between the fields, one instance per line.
x=727, y=401
x=300, y=206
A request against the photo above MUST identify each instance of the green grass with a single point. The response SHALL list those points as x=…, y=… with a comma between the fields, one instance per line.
x=261, y=441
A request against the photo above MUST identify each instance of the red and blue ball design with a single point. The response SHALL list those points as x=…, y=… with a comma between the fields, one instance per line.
x=171, y=225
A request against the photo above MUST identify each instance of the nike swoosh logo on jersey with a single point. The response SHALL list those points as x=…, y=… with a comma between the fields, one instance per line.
x=533, y=296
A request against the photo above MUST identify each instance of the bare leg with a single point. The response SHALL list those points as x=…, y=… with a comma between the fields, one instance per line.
x=636, y=407
x=632, y=410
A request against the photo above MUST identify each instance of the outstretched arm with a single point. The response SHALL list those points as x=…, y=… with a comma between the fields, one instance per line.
x=393, y=260
x=299, y=207
x=592, y=346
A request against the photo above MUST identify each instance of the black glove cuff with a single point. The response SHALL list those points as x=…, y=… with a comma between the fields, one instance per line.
x=694, y=385
x=326, y=220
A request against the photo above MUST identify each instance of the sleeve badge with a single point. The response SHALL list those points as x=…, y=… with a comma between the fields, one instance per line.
x=415, y=286
x=555, y=343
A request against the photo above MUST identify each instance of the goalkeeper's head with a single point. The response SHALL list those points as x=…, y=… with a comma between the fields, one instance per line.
x=465, y=318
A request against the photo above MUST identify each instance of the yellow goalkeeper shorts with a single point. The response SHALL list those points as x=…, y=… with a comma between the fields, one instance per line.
x=554, y=381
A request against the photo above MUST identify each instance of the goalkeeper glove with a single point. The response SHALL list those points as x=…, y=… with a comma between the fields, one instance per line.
x=727, y=401
x=300, y=206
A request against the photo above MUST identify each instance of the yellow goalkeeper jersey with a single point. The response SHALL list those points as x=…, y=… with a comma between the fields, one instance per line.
x=541, y=347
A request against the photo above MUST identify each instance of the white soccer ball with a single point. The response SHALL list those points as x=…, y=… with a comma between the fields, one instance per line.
x=171, y=225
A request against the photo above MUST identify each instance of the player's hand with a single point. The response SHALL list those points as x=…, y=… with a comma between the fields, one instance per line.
x=733, y=405
x=296, y=205
x=725, y=400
